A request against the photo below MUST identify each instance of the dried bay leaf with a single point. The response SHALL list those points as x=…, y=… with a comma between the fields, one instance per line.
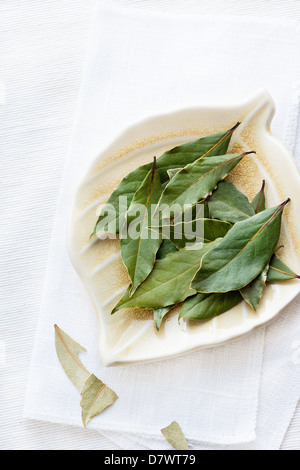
x=169, y=282
x=279, y=271
x=196, y=181
x=67, y=352
x=207, y=306
x=254, y=291
x=227, y=203
x=139, y=250
x=96, y=396
x=216, y=144
x=259, y=202
x=174, y=435
x=241, y=255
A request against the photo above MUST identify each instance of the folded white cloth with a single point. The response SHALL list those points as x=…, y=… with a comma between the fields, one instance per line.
x=141, y=64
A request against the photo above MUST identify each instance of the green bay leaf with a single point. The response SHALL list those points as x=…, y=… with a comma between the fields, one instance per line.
x=241, y=255
x=207, y=306
x=253, y=292
x=139, y=248
x=279, y=271
x=182, y=155
x=229, y=204
x=196, y=181
x=174, y=435
x=169, y=282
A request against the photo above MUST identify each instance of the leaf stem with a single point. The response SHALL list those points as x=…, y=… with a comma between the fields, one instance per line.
x=260, y=196
x=235, y=127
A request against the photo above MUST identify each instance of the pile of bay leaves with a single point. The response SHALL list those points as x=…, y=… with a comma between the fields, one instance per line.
x=208, y=274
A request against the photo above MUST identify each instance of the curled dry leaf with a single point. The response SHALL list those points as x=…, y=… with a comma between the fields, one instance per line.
x=174, y=435
x=67, y=351
x=96, y=396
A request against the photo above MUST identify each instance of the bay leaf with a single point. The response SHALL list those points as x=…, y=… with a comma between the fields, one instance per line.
x=139, y=248
x=195, y=231
x=253, y=292
x=120, y=200
x=216, y=144
x=259, y=202
x=96, y=397
x=174, y=435
x=165, y=249
x=279, y=271
x=207, y=306
x=229, y=204
x=169, y=282
x=159, y=315
x=196, y=181
x=242, y=254
x=67, y=351
x=182, y=155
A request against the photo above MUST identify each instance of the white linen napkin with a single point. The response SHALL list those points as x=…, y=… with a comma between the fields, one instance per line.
x=141, y=64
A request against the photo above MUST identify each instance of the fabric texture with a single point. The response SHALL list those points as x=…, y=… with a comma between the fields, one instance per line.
x=140, y=64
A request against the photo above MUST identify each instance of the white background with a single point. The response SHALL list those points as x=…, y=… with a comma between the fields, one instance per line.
x=43, y=45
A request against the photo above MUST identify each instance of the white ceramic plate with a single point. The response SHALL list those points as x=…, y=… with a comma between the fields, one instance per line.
x=129, y=335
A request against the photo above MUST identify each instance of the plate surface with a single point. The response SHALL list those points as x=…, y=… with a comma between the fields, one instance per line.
x=129, y=335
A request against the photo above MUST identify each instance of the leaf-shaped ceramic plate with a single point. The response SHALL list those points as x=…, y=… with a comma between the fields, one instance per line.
x=130, y=335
